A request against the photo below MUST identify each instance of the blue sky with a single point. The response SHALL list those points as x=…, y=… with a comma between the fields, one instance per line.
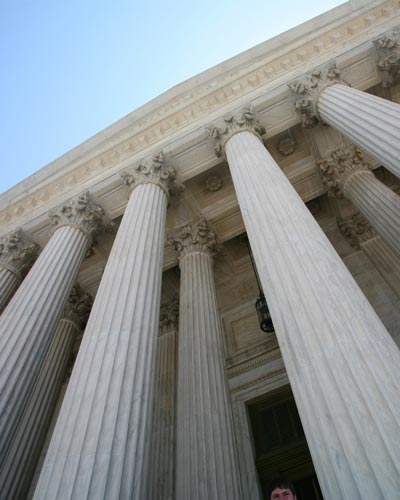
x=71, y=68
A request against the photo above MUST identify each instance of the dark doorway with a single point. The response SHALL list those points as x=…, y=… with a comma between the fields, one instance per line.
x=280, y=444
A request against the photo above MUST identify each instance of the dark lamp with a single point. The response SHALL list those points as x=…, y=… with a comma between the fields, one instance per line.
x=263, y=314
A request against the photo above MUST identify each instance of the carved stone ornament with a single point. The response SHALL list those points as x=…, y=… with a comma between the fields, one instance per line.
x=214, y=183
x=169, y=316
x=18, y=252
x=388, y=50
x=343, y=163
x=153, y=172
x=356, y=229
x=232, y=124
x=78, y=307
x=195, y=238
x=83, y=213
x=306, y=93
x=286, y=146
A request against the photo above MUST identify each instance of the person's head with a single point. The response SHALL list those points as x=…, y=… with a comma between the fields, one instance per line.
x=281, y=489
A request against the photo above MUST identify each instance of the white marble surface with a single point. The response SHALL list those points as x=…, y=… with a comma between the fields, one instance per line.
x=163, y=433
x=370, y=122
x=206, y=455
x=99, y=449
x=19, y=466
x=379, y=204
x=9, y=282
x=30, y=320
x=343, y=366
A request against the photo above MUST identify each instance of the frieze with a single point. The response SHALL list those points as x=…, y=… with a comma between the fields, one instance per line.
x=191, y=106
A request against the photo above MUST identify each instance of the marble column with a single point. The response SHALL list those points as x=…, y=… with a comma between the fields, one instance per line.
x=370, y=122
x=361, y=236
x=29, y=321
x=162, y=453
x=17, y=254
x=20, y=463
x=206, y=457
x=100, y=445
x=343, y=366
x=346, y=173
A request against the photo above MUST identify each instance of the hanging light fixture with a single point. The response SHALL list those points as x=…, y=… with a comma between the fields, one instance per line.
x=263, y=314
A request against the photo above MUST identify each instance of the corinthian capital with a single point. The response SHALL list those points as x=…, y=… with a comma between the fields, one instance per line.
x=356, y=229
x=194, y=238
x=153, y=172
x=169, y=316
x=232, y=124
x=388, y=50
x=78, y=307
x=343, y=163
x=18, y=252
x=306, y=92
x=83, y=213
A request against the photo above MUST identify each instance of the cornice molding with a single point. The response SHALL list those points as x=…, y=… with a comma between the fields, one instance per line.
x=257, y=70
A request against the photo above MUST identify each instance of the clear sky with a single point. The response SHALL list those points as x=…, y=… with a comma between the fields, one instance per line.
x=70, y=68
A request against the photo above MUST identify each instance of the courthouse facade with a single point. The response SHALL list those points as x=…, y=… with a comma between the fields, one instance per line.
x=132, y=362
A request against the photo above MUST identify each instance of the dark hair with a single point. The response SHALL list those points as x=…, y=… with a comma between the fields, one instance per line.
x=282, y=483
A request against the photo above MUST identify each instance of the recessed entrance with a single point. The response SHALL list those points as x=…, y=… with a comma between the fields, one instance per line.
x=280, y=444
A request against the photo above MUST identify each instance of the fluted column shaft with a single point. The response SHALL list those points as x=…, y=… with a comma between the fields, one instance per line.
x=370, y=122
x=20, y=463
x=162, y=453
x=342, y=364
x=9, y=282
x=379, y=204
x=206, y=459
x=99, y=447
x=385, y=260
x=29, y=321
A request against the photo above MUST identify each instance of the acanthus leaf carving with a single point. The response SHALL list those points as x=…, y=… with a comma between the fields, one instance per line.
x=156, y=172
x=232, y=124
x=306, y=92
x=343, y=163
x=169, y=316
x=82, y=212
x=356, y=229
x=388, y=50
x=18, y=251
x=195, y=238
x=78, y=306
